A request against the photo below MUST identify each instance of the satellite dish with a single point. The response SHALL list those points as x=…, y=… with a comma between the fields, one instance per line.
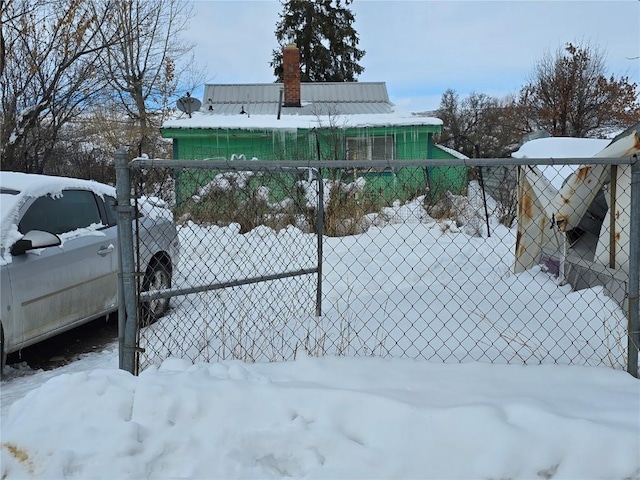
x=188, y=104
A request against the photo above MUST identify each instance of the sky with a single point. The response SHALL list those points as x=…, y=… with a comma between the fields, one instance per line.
x=347, y=416
x=423, y=48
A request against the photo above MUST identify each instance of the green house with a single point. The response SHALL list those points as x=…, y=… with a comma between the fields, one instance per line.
x=314, y=121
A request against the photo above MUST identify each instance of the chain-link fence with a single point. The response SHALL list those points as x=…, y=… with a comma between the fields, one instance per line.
x=283, y=259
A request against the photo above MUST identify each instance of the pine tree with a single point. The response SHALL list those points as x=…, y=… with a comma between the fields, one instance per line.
x=323, y=31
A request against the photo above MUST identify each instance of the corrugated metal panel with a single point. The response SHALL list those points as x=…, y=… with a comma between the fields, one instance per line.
x=342, y=98
x=313, y=109
x=538, y=207
x=242, y=93
x=580, y=189
x=533, y=232
x=338, y=108
x=500, y=182
x=344, y=92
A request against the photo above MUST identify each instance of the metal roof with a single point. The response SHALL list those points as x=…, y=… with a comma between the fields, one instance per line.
x=339, y=98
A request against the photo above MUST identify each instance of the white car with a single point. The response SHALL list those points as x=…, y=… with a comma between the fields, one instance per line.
x=59, y=256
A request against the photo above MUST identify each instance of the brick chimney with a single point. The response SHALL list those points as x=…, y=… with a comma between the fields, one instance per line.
x=291, y=75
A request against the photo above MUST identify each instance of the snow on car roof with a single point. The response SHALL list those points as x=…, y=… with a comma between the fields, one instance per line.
x=17, y=187
x=31, y=184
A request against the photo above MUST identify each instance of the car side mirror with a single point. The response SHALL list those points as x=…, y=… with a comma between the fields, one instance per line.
x=35, y=239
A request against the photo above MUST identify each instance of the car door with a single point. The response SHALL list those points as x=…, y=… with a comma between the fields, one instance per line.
x=58, y=287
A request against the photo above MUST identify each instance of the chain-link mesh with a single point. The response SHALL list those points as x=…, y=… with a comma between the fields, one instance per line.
x=514, y=267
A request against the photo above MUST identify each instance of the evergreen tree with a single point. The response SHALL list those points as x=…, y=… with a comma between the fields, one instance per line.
x=323, y=31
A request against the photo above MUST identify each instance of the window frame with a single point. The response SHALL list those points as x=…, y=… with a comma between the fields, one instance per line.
x=57, y=229
x=108, y=210
x=367, y=144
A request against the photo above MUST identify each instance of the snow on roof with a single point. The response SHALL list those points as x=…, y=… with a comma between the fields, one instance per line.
x=294, y=122
x=322, y=104
x=453, y=152
x=560, y=147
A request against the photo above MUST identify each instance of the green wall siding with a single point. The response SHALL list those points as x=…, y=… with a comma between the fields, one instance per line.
x=442, y=179
x=411, y=143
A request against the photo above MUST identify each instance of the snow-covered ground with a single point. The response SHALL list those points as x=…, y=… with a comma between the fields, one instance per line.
x=362, y=417
x=410, y=286
x=327, y=418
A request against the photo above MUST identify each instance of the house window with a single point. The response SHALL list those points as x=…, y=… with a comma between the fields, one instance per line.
x=371, y=148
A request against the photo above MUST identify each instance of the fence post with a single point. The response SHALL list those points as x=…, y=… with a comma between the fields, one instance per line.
x=320, y=233
x=121, y=310
x=127, y=325
x=633, y=334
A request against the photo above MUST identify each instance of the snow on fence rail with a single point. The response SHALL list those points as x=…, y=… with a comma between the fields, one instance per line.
x=282, y=259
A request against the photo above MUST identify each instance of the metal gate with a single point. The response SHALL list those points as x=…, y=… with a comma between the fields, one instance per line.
x=201, y=289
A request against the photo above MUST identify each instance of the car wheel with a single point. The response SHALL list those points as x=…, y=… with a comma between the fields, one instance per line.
x=156, y=278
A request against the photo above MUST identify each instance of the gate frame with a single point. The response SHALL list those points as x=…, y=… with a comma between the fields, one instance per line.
x=130, y=296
